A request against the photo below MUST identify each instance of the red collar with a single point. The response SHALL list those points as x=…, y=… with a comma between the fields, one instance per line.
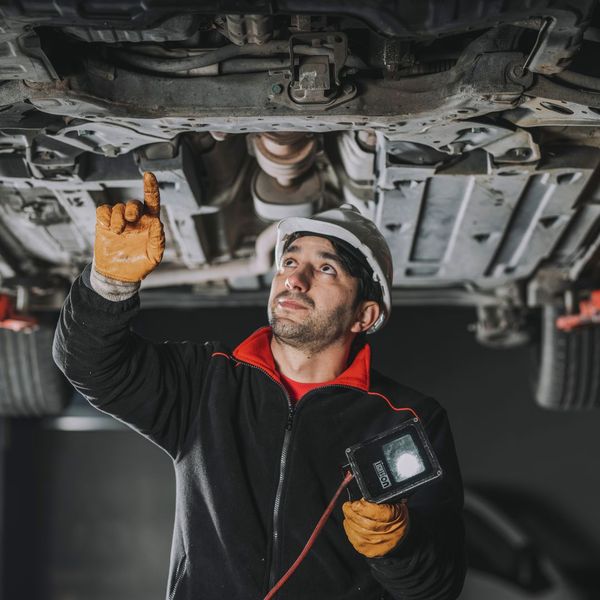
x=256, y=350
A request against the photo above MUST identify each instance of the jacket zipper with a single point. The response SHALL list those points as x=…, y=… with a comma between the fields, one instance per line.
x=178, y=575
x=282, y=469
x=287, y=437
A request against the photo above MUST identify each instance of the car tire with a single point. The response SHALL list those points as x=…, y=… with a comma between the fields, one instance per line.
x=30, y=383
x=568, y=373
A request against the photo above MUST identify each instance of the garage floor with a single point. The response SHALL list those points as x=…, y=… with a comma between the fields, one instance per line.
x=88, y=515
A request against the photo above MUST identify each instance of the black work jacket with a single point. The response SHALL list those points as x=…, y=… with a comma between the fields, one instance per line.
x=253, y=473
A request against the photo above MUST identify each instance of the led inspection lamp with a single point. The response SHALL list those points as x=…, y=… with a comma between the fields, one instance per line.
x=393, y=463
x=386, y=467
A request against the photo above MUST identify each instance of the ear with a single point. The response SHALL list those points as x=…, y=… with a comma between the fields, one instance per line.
x=367, y=314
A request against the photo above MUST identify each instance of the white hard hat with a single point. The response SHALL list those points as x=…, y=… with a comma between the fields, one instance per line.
x=347, y=224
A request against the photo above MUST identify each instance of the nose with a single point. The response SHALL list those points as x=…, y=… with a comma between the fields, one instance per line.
x=298, y=280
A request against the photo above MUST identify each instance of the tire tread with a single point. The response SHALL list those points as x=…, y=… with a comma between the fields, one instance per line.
x=568, y=374
x=30, y=383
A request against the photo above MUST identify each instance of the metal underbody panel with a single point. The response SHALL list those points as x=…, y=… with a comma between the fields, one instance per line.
x=475, y=222
x=470, y=161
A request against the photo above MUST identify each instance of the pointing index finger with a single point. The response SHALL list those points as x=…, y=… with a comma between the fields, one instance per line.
x=151, y=195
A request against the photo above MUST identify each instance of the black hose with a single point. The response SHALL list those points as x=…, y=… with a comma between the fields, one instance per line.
x=172, y=65
x=165, y=64
x=160, y=60
x=252, y=65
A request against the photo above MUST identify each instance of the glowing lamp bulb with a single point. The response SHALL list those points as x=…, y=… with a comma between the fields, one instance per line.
x=408, y=465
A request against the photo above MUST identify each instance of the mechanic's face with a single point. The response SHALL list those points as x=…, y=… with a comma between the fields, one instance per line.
x=312, y=301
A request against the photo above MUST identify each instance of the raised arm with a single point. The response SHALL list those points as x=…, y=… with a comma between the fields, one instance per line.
x=148, y=386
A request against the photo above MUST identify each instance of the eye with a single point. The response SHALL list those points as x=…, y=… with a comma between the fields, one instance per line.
x=328, y=269
x=288, y=262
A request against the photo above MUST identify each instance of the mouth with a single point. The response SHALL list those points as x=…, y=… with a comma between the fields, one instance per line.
x=291, y=305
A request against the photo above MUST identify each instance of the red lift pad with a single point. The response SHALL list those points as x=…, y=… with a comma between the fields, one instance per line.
x=10, y=319
x=589, y=313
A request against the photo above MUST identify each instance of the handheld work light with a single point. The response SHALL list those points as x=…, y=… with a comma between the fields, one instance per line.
x=386, y=467
x=394, y=462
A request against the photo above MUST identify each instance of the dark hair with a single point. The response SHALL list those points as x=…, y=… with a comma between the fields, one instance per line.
x=353, y=262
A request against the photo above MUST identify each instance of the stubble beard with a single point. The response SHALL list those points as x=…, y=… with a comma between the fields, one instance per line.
x=315, y=332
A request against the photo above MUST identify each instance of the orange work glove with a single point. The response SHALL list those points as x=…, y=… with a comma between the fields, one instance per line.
x=374, y=529
x=130, y=240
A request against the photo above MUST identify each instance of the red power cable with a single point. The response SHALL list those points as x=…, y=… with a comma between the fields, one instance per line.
x=312, y=538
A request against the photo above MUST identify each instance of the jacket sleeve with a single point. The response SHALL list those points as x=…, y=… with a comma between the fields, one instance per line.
x=430, y=562
x=151, y=387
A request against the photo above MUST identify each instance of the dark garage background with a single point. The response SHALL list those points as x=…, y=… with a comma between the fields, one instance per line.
x=89, y=514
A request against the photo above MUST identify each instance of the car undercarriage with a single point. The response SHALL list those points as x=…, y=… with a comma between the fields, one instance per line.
x=468, y=132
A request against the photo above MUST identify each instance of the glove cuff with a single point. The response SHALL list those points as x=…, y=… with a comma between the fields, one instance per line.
x=112, y=289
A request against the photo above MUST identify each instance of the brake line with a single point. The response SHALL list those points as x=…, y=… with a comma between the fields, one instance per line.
x=313, y=537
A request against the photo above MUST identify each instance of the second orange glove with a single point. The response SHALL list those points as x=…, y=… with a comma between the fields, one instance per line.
x=374, y=529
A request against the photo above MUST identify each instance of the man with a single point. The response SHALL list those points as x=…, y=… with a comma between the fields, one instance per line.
x=258, y=435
